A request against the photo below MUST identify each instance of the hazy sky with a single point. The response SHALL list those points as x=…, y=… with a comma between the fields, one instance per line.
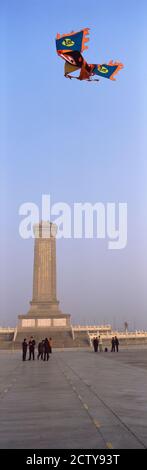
x=77, y=141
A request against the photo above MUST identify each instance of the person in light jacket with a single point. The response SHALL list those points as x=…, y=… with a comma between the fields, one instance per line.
x=100, y=344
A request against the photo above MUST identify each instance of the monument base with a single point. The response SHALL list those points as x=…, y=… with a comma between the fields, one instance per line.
x=44, y=319
x=44, y=315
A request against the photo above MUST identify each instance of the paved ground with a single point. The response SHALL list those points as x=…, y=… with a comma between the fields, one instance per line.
x=78, y=399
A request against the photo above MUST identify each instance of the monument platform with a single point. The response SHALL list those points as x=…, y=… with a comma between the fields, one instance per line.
x=79, y=399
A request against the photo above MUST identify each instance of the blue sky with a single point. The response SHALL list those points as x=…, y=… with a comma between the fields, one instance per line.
x=77, y=142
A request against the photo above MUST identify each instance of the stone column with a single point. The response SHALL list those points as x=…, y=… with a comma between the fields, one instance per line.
x=44, y=275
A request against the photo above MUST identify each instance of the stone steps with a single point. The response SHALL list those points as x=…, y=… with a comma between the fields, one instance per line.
x=81, y=339
x=60, y=339
x=6, y=344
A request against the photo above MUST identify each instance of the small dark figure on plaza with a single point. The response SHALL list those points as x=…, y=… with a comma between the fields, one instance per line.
x=50, y=344
x=116, y=343
x=24, y=349
x=46, y=349
x=40, y=349
x=113, y=345
x=32, y=348
x=100, y=344
x=95, y=344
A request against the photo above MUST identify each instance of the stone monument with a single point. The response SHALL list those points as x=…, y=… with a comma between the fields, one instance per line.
x=44, y=316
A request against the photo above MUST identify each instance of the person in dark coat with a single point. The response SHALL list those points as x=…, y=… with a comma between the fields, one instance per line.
x=32, y=348
x=113, y=345
x=50, y=344
x=95, y=344
x=46, y=349
x=40, y=349
x=116, y=343
x=24, y=349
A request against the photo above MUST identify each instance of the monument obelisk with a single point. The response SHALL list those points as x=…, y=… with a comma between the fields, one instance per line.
x=44, y=276
x=44, y=314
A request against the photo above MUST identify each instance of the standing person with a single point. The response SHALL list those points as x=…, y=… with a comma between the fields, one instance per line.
x=113, y=344
x=50, y=343
x=116, y=343
x=31, y=348
x=46, y=349
x=95, y=344
x=40, y=349
x=100, y=344
x=24, y=349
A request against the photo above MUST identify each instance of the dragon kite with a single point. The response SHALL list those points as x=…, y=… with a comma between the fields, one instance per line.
x=69, y=47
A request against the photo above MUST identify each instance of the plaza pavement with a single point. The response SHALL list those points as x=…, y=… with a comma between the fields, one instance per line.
x=79, y=399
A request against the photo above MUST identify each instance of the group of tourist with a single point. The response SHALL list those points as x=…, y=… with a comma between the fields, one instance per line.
x=114, y=344
x=97, y=344
x=44, y=349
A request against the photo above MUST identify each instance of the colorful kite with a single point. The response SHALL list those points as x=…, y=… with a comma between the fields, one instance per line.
x=69, y=47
